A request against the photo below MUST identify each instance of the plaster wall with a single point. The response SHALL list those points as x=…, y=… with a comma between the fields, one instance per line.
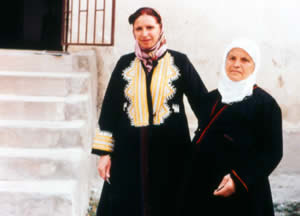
x=202, y=29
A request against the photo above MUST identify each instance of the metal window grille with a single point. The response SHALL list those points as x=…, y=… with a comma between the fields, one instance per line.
x=88, y=22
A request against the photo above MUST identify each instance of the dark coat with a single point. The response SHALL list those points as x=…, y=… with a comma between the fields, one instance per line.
x=146, y=160
x=243, y=139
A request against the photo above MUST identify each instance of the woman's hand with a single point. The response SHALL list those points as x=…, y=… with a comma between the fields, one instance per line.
x=226, y=187
x=104, y=166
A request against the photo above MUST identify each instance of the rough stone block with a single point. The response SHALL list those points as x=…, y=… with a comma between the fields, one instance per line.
x=64, y=135
x=42, y=164
x=37, y=199
x=25, y=84
x=40, y=61
x=285, y=188
x=43, y=108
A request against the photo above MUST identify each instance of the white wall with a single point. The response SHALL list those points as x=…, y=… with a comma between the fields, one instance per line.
x=202, y=28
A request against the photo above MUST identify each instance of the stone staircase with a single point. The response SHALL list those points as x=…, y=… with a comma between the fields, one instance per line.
x=47, y=118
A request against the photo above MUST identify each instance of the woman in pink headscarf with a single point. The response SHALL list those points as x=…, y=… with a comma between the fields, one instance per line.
x=143, y=138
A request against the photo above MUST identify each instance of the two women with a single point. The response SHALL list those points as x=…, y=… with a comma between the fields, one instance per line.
x=144, y=136
x=239, y=143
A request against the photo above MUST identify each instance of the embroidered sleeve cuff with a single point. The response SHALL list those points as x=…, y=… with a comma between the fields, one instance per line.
x=103, y=142
x=237, y=179
x=99, y=152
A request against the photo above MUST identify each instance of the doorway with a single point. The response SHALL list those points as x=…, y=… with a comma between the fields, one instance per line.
x=31, y=24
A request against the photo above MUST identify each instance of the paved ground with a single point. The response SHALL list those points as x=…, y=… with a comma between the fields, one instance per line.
x=283, y=209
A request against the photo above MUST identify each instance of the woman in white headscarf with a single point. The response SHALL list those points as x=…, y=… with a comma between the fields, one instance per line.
x=239, y=143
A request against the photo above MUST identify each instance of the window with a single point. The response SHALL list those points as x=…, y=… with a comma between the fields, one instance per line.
x=88, y=22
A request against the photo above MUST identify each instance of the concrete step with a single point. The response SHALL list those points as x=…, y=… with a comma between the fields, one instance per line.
x=290, y=163
x=285, y=179
x=41, y=61
x=38, y=198
x=73, y=107
x=285, y=188
x=44, y=84
x=43, y=134
x=18, y=164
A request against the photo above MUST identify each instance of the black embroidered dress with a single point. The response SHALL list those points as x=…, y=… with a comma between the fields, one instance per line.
x=143, y=127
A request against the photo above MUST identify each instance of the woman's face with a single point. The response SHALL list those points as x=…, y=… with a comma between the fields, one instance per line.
x=239, y=65
x=146, y=31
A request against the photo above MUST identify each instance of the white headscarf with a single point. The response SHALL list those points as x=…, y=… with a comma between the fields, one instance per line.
x=234, y=91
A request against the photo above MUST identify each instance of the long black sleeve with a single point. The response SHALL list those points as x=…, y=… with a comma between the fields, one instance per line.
x=110, y=114
x=195, y=89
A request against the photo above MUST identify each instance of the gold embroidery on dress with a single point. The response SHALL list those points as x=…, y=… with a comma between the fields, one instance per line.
x=103, y=140
x=161, y=88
